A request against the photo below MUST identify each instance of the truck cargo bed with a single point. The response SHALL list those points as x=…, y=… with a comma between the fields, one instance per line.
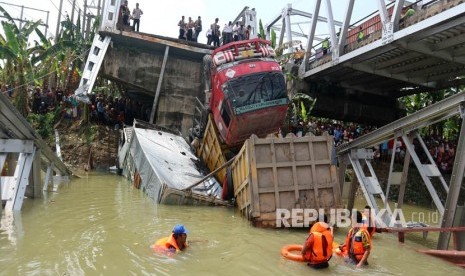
x=284, y=173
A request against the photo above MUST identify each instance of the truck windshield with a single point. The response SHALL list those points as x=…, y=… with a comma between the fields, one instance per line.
x=251, y=92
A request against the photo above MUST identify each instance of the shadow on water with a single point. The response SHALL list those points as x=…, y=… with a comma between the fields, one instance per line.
x=100, y=225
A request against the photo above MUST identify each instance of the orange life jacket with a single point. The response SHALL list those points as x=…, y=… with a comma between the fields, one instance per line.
x=354, y=243
x=169, y=242
x=320, y=242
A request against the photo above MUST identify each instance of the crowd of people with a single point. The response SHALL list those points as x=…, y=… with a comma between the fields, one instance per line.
x=190, y=30
x=103, y=110
x=441, y=150
x=342, y=132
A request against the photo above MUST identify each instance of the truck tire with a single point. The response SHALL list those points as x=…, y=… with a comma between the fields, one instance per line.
x=207, y=67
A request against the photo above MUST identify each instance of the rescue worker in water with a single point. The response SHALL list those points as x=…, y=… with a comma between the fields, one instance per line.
x=357, y=246
x=176, y=241
x=318, y=248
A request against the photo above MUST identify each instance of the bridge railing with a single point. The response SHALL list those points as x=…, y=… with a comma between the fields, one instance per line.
x=372, y=27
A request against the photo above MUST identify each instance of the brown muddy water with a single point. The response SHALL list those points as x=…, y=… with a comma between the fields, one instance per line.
x=100, y=225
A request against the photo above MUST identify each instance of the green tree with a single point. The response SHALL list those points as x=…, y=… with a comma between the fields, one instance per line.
x=273, y=39
x=413, y=103
x=261, y=31
x=64, y=57
x=16, y=54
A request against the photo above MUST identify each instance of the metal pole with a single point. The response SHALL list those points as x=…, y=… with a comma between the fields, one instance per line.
x=103, y=9
x=454, y=186
x=352, y=190
x=391, y=168
x=403, y=180
x=72, y=11
x=160, y=80
x=98, y=7
x=89, y=18
x=345, y=26
x=36, y=173
x=46, y=24
x=332, y=32
x=288, y=28
x=58, y=20
x=283, y=29
x=311, y=35
x=396, y=14
x=21, y=17
x=84, y=17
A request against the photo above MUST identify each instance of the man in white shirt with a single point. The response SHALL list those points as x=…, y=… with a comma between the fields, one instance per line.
x=234, y=29
x=136, y=13
x=227, y=31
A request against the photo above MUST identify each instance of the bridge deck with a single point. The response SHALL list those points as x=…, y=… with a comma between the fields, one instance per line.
x=427, y=53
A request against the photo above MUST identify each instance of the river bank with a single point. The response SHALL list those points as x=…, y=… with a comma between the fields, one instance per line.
x=86, y=147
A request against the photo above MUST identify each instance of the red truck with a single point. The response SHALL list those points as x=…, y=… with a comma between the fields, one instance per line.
x=248, y=91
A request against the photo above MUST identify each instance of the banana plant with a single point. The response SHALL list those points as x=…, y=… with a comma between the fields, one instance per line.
x=16, y=54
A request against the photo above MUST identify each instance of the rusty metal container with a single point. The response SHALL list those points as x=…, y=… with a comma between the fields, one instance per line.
x=210, y=150
x=284, y=173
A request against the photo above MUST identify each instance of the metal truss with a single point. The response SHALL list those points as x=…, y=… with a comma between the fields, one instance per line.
x=285, y=27
x=406, y=129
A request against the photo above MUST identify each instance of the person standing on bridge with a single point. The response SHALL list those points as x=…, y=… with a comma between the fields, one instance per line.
x=182, y=28
x=125, y=13
x=360, y=35
x=227, y=33
x=325, y=46
x=123, y=16
x=136, y=13
x=247, y=32
x=215, y=33
x=408, y=13
x=198, y=28
x=190, y=28
x=235, y=33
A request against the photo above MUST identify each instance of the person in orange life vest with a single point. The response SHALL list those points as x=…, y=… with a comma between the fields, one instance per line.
x=318, y=248
x=176, y=241
x=357, y=246
x=368, y=220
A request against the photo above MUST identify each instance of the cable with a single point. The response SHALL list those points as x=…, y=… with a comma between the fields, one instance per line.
x=62, y=15
x=49, y=73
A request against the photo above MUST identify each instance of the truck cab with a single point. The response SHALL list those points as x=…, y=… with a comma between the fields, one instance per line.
x=248, y=91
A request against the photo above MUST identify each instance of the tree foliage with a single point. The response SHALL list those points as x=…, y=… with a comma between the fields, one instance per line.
x=449, y=128
x=16, y=54
x=43, y=61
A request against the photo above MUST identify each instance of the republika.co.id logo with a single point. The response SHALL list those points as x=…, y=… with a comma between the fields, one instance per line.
x=337, y=217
